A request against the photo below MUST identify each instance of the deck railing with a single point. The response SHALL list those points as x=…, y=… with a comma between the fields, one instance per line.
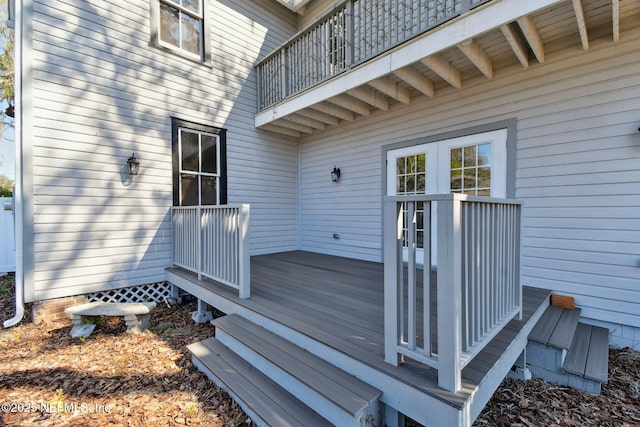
x=477, y=291
x=213, y=241
x=353, y=32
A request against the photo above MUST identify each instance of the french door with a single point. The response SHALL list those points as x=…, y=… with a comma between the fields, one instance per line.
x=473, y=164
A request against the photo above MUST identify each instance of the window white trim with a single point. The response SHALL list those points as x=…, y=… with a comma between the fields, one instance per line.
x=199, y=173
x=205, y=41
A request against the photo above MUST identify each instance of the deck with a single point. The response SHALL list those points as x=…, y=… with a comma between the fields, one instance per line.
x=339, y=302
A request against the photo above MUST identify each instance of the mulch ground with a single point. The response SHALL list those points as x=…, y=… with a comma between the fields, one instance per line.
x=112, y=378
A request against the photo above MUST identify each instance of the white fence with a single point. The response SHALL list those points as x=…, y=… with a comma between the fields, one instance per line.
x=7, y=236
x=213, y=241
x=477, y=290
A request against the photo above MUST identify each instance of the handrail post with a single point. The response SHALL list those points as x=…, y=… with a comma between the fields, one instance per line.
x=449, y=297
x=244, y=288
x=199, y=221
x=391, y=274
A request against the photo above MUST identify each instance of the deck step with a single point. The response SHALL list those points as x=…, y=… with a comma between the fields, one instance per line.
x=588, y=356
x=263, y=400
x=336, y=395
x=556, y=327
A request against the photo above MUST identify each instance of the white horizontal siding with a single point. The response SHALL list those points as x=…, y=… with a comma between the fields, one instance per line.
x=578, y=159
x=101, y=92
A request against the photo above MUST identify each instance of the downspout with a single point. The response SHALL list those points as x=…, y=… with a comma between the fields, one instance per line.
x=18, y=192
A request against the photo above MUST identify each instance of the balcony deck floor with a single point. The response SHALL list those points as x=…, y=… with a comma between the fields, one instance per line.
x=339, y=302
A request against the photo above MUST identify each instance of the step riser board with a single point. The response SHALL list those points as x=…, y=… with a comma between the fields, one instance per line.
x=367, y=417
x=550, y=358
x=566, y=379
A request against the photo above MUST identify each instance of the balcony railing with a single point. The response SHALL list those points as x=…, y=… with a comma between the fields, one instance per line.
x=350, y=34
x=213, y=241
x=477, y=288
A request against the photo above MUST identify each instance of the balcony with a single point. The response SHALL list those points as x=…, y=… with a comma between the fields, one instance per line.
x=364, y=57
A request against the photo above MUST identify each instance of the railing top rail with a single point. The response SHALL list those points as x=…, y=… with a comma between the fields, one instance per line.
x=451, y=196
x=227, y=206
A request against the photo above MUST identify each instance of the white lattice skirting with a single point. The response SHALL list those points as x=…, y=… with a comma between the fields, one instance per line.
x=153, y=292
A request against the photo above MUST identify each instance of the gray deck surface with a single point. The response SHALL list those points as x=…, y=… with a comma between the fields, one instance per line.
x=339, y=302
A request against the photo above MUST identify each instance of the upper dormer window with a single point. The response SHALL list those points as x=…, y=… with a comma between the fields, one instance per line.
x=179, y=26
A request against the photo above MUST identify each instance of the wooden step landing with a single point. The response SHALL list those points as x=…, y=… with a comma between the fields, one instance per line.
x=556, y=327
x=588, y=356
x=329, y=390
x=263, y=400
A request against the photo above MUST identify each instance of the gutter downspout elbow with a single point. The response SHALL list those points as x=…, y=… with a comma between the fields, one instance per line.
x=19, y=305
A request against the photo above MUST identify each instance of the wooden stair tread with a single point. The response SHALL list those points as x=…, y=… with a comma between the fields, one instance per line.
x=337, y=386
x=588, y=356
x=562, y=335
x=255, y=392
x=556, y=327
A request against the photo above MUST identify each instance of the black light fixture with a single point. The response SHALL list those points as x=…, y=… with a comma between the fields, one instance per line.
x=335, y=174
x=133, y=165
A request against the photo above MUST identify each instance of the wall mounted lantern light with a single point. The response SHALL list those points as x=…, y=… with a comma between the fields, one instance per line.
x=133, y=165
x=335, y=174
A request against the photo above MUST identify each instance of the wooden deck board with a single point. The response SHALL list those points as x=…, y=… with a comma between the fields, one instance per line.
x=563, y=333
x=597, y=366
x=545, y=327
x=339, y=302
x=577, y=356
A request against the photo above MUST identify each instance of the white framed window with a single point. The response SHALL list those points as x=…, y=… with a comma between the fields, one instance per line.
x=199, y=164
x=180, y=26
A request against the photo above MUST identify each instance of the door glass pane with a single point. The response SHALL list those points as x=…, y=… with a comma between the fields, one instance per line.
x=469, y=157
x=484, y=154
x=169, y=21
x=188, y=190
x=209, y=190
x=190, y=151
x=209, y=154
x=456, y=158
x=484, y=178
x=470, y=171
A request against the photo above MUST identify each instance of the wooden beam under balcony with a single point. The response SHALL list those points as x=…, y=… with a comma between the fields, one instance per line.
x=333, y=110
x=582, y=24
x=320, y=116
x=370, y=97
x=615, y=6
x=413, y=78
x=516, y=43
x=532, y=35
x=350, y=103
x=391, y=89
x=444, y=69
x=306, y=121
x=475, y=54
x=286, y=123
